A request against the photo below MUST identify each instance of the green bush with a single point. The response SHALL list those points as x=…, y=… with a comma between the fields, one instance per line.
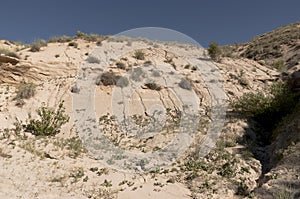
x=93, y=60
x=90, y=37
x=153, y=86
x=279, y=65
x=49, y=121
x=215, y=51
x=121, y=65
x=107, y=79
x=139, y=54
x=62, y=39
x=269, y=108
x=25, y=91
x=36, y=46
x=8, y=53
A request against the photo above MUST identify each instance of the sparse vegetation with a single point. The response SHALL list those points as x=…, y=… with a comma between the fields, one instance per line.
x=90, y=37
x=25, y=91
x=271, y=47
x=153, y=86
x=61, y=39
x=76, y=175
x=279, y=65
x=73, y=145
x=147, y=63
x=93, y=60
x=108, y=79
x=36, y=46
x=121, y=65
x=9, y=53
x=215, y=51
x=139, y=54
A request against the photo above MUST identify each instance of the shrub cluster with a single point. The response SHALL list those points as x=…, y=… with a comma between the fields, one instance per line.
x=267, y=109
x=49, y=122
x=62, y=39
x=8, y=53
x=153, y=86
x=139, y=54
x=107, y=79
x=90, y=37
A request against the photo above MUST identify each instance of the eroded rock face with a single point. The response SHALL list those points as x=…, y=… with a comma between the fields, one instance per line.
x=11, y=74
x=7, y=59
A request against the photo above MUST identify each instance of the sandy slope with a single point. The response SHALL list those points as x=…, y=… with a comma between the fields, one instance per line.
x=33, y=167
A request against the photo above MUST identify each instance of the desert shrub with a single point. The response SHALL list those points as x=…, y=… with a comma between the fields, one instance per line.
x=153, y=86
x=9, y=53
x=75, y=146
x=107, y=79
x=121, y=65
x=242, y=189
x=185, y=84
x=227, y=170
x=75, y=89
x=122, y=82
x=279, y=65
x=49, y=122
x=147, y=63
x=25, y=91
x=74, y=44
x=20, y=103
x=214, y=51
x=93, y=60
x=90, y=37
x=139, y=54
x=243, y=81
x=188, y=66
x=267, y=108
x=36, y=46
x=62, y=39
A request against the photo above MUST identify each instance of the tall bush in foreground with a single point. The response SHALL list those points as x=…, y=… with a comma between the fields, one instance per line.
x=49, y=122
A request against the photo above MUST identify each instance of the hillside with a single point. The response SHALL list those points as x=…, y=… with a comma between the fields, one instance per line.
x=279, y=48
x=124, y=101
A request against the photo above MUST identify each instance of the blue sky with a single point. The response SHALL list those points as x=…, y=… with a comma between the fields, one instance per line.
x=223, y=21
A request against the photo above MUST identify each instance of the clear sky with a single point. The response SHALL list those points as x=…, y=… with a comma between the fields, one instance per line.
x=223, y=21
